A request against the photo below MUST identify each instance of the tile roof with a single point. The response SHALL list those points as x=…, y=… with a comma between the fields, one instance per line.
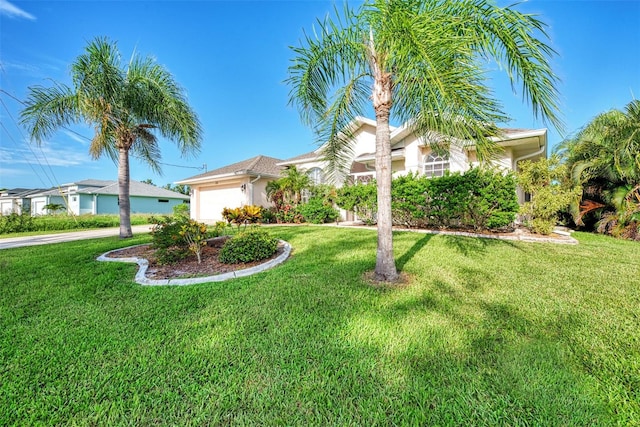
x=259, y=165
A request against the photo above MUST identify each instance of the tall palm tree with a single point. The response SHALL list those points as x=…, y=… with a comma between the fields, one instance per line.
x=416, y=61
x=604, y=157
x=124, y=103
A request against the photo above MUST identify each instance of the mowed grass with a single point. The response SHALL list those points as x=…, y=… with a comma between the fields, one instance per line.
x=485, y=332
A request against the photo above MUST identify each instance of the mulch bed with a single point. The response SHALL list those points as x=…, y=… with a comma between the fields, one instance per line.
x=189, y=266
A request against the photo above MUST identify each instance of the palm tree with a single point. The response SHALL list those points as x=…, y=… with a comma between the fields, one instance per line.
x=293, y=182
x=604, y=157
x=124, y=104
x=417, y=61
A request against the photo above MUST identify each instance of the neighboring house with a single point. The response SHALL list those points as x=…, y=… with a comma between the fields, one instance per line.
x=93, y=196
x=220, y=188
x=235, y=185
x=16, y=200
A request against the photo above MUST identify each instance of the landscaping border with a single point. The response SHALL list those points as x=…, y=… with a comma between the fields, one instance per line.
x=143, y=265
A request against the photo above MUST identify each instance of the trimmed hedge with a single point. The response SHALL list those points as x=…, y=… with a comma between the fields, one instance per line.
x=16, y=223
x=479, y=199
x=248, y=246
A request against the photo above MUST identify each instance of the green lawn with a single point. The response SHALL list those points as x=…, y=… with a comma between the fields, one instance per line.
x=486, y=333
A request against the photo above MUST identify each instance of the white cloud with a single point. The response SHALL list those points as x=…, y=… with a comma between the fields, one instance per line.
x=46, y=155
x=77, y=138
x=13, y=11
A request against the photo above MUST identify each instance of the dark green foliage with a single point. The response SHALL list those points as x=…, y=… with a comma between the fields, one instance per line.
x=408, y=200
x=170, y=244
x=479, y=199
x=289, y=214
x=361, y=199
x=269, y=216
x=15, y=223
x=317, y=211
x=18, y=223
x=248, y=246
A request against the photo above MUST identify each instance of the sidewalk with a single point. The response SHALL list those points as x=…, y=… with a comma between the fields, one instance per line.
x=43, y=239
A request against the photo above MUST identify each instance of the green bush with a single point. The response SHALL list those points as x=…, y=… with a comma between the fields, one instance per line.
x=170, y=244
x=361, y=199
x=16, y=223
x=317, y=211
x=248, y=246
x=551, y=192
x=479, y=199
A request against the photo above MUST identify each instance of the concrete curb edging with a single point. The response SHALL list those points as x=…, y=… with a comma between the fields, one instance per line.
x=566, y=238
x=143, y=265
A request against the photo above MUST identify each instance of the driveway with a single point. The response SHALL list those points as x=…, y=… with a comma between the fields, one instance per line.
x=43, y=239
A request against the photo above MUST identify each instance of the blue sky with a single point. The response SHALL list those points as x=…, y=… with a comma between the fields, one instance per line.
x=231, y=57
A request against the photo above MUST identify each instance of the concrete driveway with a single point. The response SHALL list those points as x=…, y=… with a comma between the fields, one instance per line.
x=43, y=239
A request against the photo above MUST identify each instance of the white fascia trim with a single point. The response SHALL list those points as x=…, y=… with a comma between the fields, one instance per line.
x=521, y=135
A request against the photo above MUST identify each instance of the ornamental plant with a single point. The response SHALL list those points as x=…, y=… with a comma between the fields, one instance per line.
x=195, y=234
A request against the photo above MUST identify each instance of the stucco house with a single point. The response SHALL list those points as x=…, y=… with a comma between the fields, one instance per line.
x=239, y=184
x=223, y=187
x=92, y=196
x=17, y=200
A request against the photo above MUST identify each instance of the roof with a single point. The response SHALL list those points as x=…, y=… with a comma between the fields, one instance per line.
x=258, y=165
x=94, y=186
x=21, y=192
x=90, y=183
x=302, y=158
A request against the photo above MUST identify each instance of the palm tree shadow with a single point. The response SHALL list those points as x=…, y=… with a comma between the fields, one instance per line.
x=474, y=245
x=406, y=257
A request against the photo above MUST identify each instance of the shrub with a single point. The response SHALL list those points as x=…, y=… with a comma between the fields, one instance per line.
x=289, y=214
x=195, y=234
x=248, y=246
x=16, y=223
x=249, y=214
x=550, y=192
x=316, y=211
x=171, y=246
x=361, y=199
x=269, y=216
x=408, y=200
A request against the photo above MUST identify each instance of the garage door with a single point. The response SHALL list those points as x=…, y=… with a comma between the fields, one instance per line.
x=214, y=199
x=6, y=208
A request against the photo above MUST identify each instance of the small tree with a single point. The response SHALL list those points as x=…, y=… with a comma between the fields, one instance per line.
x=545, y=180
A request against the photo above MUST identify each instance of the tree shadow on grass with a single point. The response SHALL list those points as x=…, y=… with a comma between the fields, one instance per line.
x=474, y=245
x=413, y=250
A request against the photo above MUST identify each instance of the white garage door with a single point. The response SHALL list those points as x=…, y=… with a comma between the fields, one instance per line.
x=6, y=208
x=214, y=199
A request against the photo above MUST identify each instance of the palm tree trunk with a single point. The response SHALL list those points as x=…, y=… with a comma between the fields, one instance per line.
x=385, y=264
x=123, y=194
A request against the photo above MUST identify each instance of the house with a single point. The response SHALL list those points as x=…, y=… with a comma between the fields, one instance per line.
x=16, y=200
x=239, y=184
x=409, y=154
x=93, y=196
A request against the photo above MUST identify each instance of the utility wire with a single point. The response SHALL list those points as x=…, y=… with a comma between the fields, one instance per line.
x=89, y=139
x=27, y=160
x=51, y=180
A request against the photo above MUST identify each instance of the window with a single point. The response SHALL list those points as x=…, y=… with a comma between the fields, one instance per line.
x=316, y=175
x=435, y=165
x=163, y=201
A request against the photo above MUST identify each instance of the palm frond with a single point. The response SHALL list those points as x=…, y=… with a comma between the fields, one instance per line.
x=48, y=109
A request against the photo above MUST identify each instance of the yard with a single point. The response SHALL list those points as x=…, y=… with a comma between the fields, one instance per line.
x=485, y=332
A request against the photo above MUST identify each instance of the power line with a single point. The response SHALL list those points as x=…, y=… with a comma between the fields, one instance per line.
x=203, y=167
x=52, y=179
